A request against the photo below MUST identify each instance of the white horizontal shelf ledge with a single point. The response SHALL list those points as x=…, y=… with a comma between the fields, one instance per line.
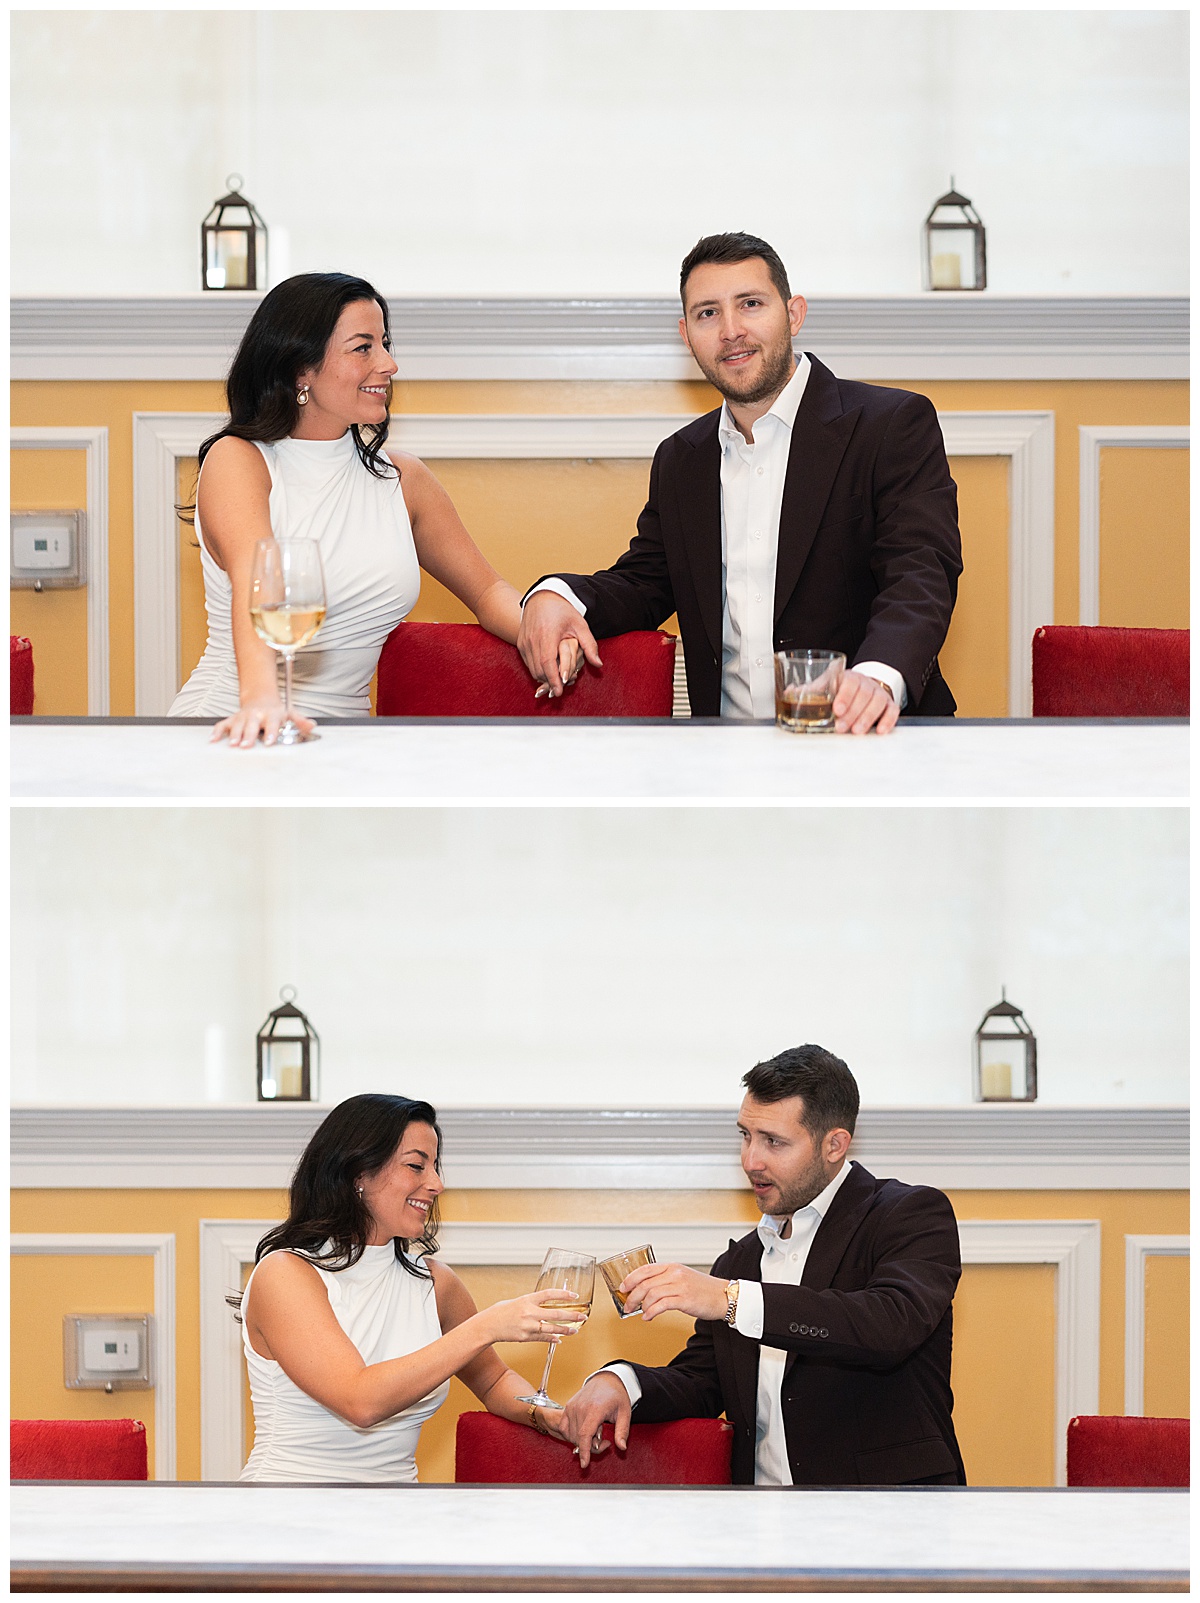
x=930, y=336
x=256, y=1146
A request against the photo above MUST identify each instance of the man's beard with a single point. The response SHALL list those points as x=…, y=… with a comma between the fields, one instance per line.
x=798, y=1193
x=777, y=369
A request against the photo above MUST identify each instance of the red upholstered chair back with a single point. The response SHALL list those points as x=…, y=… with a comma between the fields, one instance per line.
x=1124, y=1450
x=1110, y=673
x=458, y=670
x=77, y=1450
x=20, y=675
x=686, y=1452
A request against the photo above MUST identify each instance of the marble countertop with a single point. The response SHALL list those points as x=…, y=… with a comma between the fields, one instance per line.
x=495, y=1536
x=427, y=761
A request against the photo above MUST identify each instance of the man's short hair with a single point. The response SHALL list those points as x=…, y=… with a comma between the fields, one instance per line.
x=726, y=248
x=829, y=1090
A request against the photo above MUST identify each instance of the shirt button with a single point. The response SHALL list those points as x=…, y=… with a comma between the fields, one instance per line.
x=760, y=471
x=759, y=598
x=795, y=1257
x=758, y=662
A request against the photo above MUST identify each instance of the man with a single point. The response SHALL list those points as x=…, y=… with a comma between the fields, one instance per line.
x=824, y=1334
x=805, y=512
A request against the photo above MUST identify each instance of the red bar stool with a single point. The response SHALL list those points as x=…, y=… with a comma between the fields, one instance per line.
x=684, y=1452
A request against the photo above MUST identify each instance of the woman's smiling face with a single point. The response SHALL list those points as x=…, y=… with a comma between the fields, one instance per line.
x=352, y=383
x=401, y=1193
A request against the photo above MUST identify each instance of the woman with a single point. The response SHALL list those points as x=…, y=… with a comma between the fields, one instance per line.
x=351, y=1332
x=303, y=455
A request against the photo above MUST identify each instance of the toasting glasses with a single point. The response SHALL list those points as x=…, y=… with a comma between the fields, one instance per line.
x=573, y=1274
x=287, y=607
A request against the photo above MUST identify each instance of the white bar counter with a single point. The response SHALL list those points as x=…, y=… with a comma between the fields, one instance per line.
x=559, y=760
x=219, y=1537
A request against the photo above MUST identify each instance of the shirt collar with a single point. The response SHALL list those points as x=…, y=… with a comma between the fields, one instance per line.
x=784, y=407
x=769, y=1226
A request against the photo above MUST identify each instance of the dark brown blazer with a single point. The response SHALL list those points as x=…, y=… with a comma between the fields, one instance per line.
x=869, y=552
x=866, y=1387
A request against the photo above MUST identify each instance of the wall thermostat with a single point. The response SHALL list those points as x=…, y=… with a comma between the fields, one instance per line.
x=48, y=550
x=107, y=1352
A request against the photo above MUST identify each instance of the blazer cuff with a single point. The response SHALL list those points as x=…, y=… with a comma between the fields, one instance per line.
x=560, y=588
x=876, y=670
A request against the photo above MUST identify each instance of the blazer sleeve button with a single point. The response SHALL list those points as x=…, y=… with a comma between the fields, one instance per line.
x=795, y=1329
x=824, y=1333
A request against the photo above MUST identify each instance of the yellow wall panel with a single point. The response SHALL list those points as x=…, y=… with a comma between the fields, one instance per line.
x=43, y=1289
x=974, y=660
x=1168, y=1310
x=567, y=531
x=193, y=619
x=1144, y=537
x=1003, y=1373
x=55, y=620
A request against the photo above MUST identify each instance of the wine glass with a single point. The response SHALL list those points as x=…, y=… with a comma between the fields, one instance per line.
x=287, y=607
x=573, y=1274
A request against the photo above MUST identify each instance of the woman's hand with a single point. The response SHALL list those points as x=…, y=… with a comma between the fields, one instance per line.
x=259, y=717
x=551, y=1421
x=527, y=1318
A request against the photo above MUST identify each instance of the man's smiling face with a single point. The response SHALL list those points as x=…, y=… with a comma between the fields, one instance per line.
x=739, y=328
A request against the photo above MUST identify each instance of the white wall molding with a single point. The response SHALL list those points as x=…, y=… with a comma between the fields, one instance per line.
x=1092, y=440
x=957, y=1148
x=1027, y=440
x=161, y=439
x=161, y=1249
x=1137, y=1250
x=1073, y=1247
x=93, y=442
x=930, y=336
x=227, y=1246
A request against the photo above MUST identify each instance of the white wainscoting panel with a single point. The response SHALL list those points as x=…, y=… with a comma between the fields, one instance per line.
x=1073, y=1247
x=1137, y=1250
x=161, y=439
x=93, y=441
x=161, y=1248
x=1027, y=440
x=227, y=1245
x=1092, y=440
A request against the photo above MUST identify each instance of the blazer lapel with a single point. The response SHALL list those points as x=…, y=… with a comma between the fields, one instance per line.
x=835, y=1233
x=699, y=489
x=820, y=436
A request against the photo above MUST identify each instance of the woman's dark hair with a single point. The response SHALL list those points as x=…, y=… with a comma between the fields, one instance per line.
x=289, y=333
x=324, y=1209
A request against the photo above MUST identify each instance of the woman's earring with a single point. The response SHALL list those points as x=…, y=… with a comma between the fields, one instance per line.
x=359, y=1190
x=302, y=400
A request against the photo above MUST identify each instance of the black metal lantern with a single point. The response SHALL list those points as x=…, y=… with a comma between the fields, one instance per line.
x=1005, y=1056
x=289, y=1054
x=955, y=244
x=233, y=243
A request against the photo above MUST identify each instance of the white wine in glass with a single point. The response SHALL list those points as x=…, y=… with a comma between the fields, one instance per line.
x=287, y=607
x=573, y=1274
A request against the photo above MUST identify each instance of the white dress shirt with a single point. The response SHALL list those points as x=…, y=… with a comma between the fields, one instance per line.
x=752, y=480
x=783, y=1262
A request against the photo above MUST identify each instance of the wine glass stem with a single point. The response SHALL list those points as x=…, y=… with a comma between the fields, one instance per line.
x=287, y=687
x=550, y=1352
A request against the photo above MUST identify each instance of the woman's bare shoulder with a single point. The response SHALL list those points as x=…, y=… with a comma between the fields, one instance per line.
x=280, y=1269
x=233, y=461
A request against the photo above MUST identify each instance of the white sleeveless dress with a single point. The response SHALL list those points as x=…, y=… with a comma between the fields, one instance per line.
x=320, y=490
x=386, y=1312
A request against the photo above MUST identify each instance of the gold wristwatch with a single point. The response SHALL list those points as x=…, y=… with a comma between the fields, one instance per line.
x=732, y=1287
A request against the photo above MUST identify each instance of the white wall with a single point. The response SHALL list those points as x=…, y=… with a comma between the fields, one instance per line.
x=595, y=957
x=582, y=152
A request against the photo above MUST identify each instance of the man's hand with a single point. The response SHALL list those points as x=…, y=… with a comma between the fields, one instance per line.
x=546, y=622
x=601, y=1398
x=656, y=1288
x=863, y=704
